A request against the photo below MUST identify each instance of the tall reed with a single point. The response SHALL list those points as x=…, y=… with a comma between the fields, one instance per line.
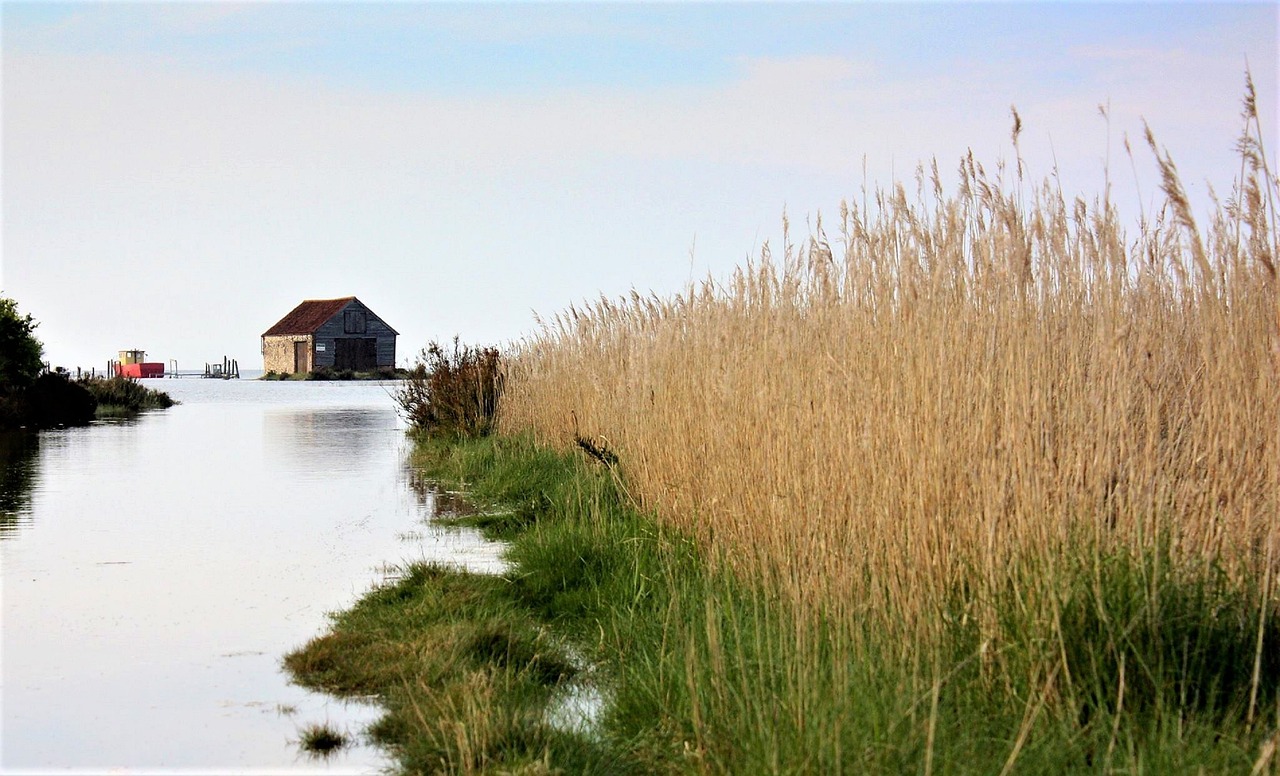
x=955, y=411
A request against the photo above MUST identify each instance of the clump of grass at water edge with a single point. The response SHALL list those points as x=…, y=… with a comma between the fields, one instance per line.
x=321, y=740
x=122, y=397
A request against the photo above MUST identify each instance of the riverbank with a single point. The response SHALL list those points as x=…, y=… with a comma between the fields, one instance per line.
x=702, y=671
x=55, y=401
x=466, y=665
x=49, y=401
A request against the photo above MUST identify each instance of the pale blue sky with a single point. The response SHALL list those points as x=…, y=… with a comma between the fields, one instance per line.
x=462, y=166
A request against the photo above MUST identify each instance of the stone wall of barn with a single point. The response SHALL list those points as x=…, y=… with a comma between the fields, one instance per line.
x=278, y=353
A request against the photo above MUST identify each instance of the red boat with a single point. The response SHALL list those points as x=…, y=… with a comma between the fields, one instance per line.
x=132, y=363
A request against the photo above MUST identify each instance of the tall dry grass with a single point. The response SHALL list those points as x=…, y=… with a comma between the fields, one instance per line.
x=937, y=411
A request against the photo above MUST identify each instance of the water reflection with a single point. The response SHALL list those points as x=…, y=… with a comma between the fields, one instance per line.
x=438, y=501
x=321, y=443
x=164, y=567
x=19, y=452
x=442, y=541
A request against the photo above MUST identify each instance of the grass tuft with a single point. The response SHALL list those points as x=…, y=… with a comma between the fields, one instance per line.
x=321, y=740
x=496, y=644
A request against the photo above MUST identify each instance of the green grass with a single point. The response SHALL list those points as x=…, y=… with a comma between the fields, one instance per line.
x=1150, y=668
x=462, y=672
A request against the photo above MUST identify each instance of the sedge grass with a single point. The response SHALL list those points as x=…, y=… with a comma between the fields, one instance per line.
x=121, y=397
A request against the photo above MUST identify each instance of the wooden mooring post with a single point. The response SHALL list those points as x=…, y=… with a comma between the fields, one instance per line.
x=80, y=372
x=229, y=369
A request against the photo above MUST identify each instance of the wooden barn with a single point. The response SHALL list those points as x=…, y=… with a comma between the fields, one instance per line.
x=329, y=334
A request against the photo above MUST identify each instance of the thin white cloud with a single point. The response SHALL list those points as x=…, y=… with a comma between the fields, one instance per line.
x=127, y=174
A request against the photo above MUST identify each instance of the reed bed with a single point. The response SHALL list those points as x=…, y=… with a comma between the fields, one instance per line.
x=955, y=413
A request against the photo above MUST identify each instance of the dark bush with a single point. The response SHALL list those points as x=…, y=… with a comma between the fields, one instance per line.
x=57, y=401
x=15, y=409
x=453, y=392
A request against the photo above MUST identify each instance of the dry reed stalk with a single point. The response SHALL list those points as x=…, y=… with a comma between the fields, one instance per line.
x=939, y=407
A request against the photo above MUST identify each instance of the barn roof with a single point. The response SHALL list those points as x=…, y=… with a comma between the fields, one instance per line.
x=308, y=316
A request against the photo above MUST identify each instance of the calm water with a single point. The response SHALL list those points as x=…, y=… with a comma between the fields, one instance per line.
x=155, y=572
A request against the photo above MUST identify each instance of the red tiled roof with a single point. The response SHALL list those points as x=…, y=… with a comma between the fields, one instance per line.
x=308, y=316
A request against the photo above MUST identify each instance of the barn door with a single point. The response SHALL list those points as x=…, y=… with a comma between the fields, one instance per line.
x=300, y=357
x=368, y=354
x=359, y=355
x=344, y=354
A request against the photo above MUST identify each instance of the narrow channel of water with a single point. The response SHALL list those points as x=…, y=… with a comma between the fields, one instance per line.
x=155, y=571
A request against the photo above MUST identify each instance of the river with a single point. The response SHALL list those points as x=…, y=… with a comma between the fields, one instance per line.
x=156, y=570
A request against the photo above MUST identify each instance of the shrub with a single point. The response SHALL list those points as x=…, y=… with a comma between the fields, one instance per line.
x=127, y=394
x=57, y=401
x=453, y=392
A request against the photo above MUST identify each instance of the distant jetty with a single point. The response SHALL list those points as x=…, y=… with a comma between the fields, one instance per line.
x=133, y=364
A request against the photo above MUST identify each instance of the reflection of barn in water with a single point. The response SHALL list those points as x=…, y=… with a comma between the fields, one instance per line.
x=327, y=443
x=340, y=334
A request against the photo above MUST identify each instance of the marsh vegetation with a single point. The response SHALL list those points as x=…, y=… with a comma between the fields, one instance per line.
x=985, y=484
x=122, y=397
x=1004, y=478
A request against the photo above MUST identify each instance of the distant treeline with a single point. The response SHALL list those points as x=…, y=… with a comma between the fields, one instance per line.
x=33, y=398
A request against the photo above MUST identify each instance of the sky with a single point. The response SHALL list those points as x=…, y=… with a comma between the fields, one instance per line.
x=177, y=176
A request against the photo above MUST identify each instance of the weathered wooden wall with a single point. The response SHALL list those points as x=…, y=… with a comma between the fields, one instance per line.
x=335, y=329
